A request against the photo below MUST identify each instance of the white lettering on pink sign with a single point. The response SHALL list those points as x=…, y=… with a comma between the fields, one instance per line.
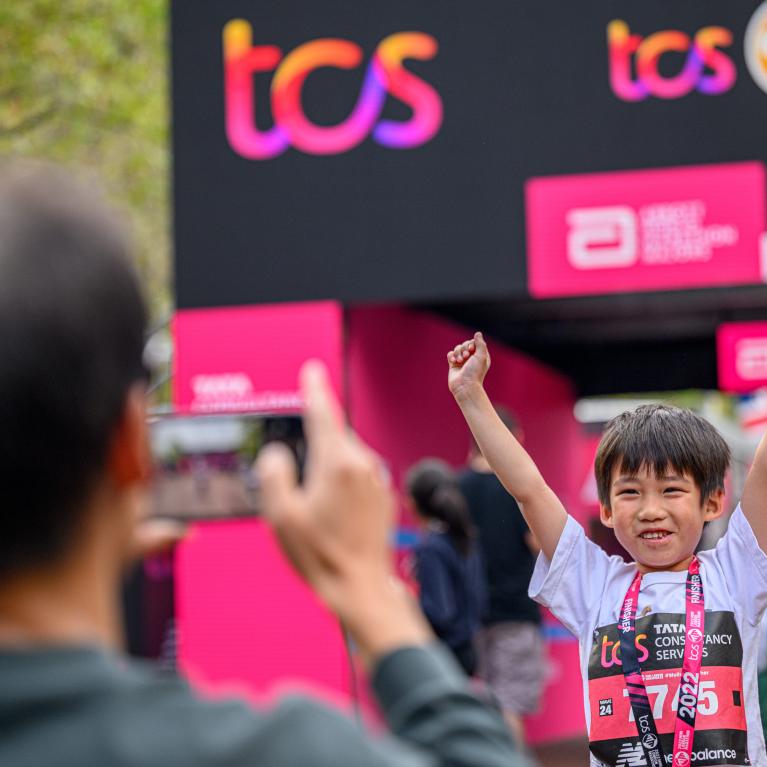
x=663, y=233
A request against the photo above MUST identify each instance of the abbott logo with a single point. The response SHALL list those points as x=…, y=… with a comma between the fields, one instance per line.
x=602, y=238
x=751, y=359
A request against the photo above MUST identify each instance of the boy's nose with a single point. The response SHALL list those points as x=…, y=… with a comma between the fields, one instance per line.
x=651, y=509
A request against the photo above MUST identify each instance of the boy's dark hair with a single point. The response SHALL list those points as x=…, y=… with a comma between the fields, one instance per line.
x=71, y=345
x=435, y=491
x=662, y=437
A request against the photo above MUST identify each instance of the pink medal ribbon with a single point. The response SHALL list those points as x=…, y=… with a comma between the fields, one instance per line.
x=687, y=705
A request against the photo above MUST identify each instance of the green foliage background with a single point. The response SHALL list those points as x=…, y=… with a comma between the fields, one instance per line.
x=85, y=83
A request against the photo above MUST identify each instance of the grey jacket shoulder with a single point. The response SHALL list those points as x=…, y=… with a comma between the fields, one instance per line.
x=84, y=707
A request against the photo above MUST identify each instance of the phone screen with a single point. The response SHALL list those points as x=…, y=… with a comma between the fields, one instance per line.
x=203, y=465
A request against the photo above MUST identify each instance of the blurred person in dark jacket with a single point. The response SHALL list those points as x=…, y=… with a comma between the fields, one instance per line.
x=509, y=644
x=448, y=560
x=74, y=467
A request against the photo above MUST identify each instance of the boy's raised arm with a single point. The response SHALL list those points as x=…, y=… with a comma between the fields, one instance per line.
x=754, y=500
x=543, y=511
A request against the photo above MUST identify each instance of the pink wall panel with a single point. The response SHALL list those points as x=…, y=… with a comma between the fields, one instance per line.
x=245, y=619
x=399, y=401
x=247, y=622
x=247, y=358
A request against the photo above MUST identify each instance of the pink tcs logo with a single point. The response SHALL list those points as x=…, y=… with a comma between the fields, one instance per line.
x=702, y=53
x=385, y=75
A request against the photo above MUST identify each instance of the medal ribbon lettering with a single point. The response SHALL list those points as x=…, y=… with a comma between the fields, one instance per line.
x=687, y=707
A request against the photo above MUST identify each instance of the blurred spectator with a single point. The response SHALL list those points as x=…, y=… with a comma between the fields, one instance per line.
x=448, y=562
x=510, y=644
x=75, y=467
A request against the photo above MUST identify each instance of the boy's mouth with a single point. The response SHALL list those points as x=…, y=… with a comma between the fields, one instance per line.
x=654, y=535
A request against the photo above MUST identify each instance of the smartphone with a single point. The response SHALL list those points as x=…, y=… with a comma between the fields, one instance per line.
x=203, y=470
x=203, y=464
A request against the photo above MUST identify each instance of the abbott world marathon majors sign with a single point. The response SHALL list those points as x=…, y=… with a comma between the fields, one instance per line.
x=423, y=150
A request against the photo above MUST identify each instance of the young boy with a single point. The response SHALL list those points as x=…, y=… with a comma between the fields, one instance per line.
x=669, y=672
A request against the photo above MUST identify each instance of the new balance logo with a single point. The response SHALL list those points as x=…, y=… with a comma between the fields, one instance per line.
x=631, y=755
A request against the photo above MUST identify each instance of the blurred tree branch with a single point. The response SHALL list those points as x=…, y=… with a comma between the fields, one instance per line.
x=29, y=122
x=85, y=83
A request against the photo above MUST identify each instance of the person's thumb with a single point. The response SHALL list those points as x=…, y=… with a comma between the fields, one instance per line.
x=277, y=475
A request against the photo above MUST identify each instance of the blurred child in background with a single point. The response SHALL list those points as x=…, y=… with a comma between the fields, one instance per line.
x=448, y=562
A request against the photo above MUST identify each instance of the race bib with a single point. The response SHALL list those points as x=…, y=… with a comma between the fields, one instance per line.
x=720, y=725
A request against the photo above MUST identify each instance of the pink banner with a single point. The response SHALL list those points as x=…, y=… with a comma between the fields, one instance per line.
x=246, y=359
x=634, y=231
x=247, y=624
x=742, y=356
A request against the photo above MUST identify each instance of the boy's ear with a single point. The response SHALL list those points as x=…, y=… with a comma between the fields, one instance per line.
x=606, y=516
x=714, y=505
x=130, y=460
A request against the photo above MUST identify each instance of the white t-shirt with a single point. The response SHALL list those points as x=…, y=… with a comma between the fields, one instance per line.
x=585, y=589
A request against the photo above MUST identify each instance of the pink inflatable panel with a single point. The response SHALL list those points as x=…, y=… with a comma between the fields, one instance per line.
x=247, y=624
x=247, y=358
x=742, y=356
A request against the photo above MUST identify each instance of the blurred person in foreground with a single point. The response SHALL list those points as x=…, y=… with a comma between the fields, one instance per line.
x=75, y=462
x=509, y=644
x=448, y=562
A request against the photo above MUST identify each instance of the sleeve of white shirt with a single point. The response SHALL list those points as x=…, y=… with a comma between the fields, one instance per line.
x=744, y=567
x=571, y=584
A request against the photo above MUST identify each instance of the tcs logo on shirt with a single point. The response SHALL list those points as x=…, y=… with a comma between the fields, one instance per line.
x=385, y=75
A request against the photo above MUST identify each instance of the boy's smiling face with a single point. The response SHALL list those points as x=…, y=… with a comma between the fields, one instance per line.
x=658, y=519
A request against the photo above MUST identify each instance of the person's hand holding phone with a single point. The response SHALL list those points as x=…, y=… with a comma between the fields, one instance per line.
x=336, y=527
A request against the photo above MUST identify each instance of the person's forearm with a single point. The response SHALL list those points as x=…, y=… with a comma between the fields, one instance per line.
x=508, y=459
x=516, y=470
x=757, y=474
x=382, y=617
x=754, y=499
x=428, y=704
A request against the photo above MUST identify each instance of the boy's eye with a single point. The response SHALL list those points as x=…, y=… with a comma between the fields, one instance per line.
x=673, y=490
x=629, y=491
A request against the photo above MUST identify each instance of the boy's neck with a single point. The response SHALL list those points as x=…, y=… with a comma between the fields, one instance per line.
x=679, y=567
